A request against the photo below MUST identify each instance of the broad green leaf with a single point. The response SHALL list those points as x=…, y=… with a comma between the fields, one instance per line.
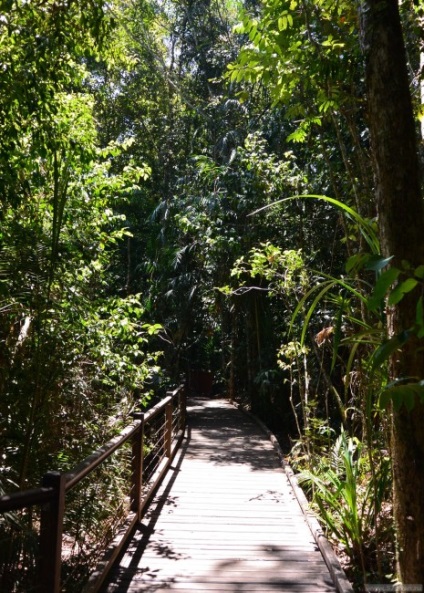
x=298, y=135
x=382, y=286
x=419, y=272
x=282, y=23
x=377, y=262
x=368, y=261
x=152, y=329
x=401, y=289
x=402, y=395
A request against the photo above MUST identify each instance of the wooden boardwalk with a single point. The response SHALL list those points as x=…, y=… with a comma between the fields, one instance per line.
x=224, y=520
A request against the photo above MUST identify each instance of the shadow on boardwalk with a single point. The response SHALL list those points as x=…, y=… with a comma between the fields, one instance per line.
x=224, y=520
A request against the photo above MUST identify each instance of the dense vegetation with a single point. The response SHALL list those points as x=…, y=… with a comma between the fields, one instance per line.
x=223, y=186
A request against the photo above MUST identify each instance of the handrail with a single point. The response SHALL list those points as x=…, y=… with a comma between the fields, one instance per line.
x=52, y=494
x=95, y=459
x=150, y=414
x=26, y=498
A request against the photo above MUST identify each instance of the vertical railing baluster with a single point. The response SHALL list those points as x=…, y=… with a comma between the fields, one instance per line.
x=183, y=407
x=51, y=527
x=137, y=465
x=168, y=429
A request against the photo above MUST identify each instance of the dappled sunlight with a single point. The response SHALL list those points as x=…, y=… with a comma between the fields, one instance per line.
x=266, y=568
x=225, y=520
x=228, y=437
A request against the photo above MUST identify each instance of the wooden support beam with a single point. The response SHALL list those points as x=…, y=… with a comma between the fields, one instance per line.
x=51, y=527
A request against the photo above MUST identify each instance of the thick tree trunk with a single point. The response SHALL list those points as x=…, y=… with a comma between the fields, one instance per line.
x=401, y=222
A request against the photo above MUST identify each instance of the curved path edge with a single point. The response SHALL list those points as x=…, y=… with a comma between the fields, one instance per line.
x=340, y=579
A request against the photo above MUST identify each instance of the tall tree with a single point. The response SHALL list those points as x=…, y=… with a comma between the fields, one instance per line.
x=401, y=221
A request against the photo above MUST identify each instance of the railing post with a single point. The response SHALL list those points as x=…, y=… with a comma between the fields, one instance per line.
x=137, y=465
x=183, y=407
x=51, y=527
x=168, y=428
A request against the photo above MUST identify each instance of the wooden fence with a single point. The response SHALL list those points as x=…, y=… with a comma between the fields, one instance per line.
x=154, y=437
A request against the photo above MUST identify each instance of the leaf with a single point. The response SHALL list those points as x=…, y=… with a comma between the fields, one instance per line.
x=382, y=286
x=377, y=262
x=356, y=262
x=298, y=135
x=367, y=261
x=253, y=32
x=239, y=28
x=383, y=352
x=401, y=289
x=152, y=329
x=282, y=23
x=419, y=272
x=402, y=395
x=419, y=318
x=364, y=224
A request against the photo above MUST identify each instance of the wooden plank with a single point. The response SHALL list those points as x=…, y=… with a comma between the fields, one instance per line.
x=202, y=586
x=248, y=555
x=225, y=519
x=254, y=563
x=184, y=572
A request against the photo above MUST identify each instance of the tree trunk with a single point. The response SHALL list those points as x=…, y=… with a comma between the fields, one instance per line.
x=401, y=222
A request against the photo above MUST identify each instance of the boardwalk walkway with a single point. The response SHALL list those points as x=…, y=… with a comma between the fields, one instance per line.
x=225, y=519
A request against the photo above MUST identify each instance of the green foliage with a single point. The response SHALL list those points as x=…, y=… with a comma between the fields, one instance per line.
x=348, y=497
x=401, y=394
x=391, y=286
x=72, y=351
x=364, y=225
x=140, y=171
x=322, y=288
x=291, y=38
x=284, y=270
x=115, y=336
x=42, y=46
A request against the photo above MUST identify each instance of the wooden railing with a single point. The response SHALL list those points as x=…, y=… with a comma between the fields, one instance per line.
x=155, y=437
